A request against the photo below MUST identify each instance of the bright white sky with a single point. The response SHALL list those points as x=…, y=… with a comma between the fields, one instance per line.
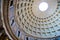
x=43, y=6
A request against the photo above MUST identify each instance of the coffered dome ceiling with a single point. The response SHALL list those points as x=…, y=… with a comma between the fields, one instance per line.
x=34, y=21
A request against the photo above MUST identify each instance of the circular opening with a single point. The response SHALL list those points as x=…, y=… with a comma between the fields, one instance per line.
x=43, y=6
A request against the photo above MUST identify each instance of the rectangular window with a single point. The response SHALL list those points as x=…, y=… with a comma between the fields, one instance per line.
x=11, y=3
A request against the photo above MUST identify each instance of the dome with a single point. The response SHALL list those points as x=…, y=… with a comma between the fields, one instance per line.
x=35, y=18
